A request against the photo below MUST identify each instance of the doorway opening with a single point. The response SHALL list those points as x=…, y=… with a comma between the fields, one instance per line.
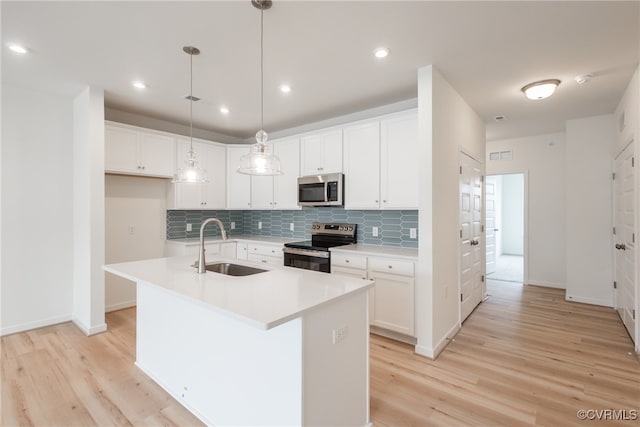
x=505, y=227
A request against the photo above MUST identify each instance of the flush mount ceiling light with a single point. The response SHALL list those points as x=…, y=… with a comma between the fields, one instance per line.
x=260, y=160
x=190, y=172
x=381, y=52
x=285, y=88
x=17, y=48
x=224, y=110
x=139, y=85
x=541, y=90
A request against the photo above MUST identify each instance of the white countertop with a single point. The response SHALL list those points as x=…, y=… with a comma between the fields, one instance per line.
x=234, y=238
x=263, y=300
x=373, y=250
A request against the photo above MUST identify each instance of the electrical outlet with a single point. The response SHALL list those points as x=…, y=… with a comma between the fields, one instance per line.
x=132, y=229
x=259, y=225
x=291, y=226
x=413, y=233
x=233, y=225
x=189, y=227
x=340, y=334
x=374, y=231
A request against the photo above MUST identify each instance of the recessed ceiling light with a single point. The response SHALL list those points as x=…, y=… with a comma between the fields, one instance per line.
x=285, y=88
x=139, y=85
x=499, y=118
x=224, y=110
x=17, y=48
x=540, y=90
x=381, y=52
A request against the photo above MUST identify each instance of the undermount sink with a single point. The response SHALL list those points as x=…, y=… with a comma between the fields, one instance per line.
x=233, y=269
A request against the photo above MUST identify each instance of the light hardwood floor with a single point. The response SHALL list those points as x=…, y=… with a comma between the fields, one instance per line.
x=524, y=357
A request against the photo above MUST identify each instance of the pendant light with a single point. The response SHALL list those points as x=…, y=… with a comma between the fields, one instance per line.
x=190, y=172
x=260, y=160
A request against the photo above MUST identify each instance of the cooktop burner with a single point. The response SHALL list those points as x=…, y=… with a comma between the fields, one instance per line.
x=327, y=235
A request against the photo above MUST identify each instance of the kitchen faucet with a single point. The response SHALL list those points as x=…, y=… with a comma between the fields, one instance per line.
x=201, y=263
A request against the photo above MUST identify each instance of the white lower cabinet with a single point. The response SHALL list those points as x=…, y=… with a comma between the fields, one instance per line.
x=266, y=253
x=391, y=301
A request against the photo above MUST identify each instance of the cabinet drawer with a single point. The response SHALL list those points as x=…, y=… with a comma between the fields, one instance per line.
x=348, y=260
x=268, y=250
x=265, y=259
x=350, y=272
x=391, y=266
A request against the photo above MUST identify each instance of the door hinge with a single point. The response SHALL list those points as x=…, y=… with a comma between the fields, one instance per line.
x=634, y=314
x=614, y=230
x=614, y=176
x=460, y=297
x=482, y=178
x=461, y=233
x=460, y=170
x=633, y=237
x=482, y=228
x=633, y=162
x=482, y=278
x=615, y=285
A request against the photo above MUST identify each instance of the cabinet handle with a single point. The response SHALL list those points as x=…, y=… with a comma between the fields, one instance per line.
x=347, y=261
x=264, y=261
x=143, y=167
x=390, y=267
x=384, y=201
x=320, y=169
x=376, y=201
x=275, y=203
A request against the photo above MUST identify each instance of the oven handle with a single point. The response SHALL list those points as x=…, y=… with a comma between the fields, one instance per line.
x=304, y=252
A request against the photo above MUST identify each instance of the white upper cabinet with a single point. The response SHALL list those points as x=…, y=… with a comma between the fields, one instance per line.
x=209, y=195
x=399, y=161
x=381, y=163
x=362, y=165
x=238, y=185
x=321, y=153
x=135, y=151
x=280, y=191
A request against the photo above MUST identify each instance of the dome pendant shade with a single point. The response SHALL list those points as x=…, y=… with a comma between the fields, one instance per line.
x=260, y=160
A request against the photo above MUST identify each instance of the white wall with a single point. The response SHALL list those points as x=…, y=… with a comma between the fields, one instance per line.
x=542, y=159
x=589, y=201
x=37, y=215
x=140, y=203
x=88, y=211
x=511, y=229
x=446, y=125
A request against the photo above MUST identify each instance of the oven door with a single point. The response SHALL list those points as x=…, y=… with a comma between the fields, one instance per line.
x=307, y=259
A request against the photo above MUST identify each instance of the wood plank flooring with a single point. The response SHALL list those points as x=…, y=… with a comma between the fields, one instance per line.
x=524, y=357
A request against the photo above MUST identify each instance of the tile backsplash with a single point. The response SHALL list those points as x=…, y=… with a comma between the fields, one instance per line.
x=393, y=226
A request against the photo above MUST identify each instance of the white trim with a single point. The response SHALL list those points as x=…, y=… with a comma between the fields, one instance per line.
x=546, y=284
x=120, y=306
x=35, y=325
x=91, y=330
x=435, y=352
x=585, y=300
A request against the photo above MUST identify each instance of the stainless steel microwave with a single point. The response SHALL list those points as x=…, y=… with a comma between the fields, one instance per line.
x=321, y=190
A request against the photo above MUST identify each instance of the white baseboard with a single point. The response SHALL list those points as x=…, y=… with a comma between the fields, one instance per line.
x=547, y=284
x=89, y=330
x=586, y=300
x=35, y=325
x=120, y=306
x=432, y=353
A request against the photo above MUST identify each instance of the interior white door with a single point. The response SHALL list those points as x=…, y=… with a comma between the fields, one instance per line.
x=470, y=235
x=490, y=223
x=624, y=238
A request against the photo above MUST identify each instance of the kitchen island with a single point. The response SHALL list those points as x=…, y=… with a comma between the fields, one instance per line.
x=282, y=347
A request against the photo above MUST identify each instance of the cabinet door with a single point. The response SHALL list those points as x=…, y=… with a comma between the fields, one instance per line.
x=362, y=166
x=262, y=192
x=228, y=249
x=157, y=154
x=214, y=191
x=238, y=185
x=393, y=302
x=121, y=150
x=399, y=162
x=321, y=153
x=285, y=186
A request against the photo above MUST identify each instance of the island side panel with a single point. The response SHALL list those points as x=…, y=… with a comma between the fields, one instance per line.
x=224, y=371
x=336, y=363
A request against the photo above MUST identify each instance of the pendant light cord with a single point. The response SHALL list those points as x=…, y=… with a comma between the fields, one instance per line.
x=191, y=104
x=262, y=68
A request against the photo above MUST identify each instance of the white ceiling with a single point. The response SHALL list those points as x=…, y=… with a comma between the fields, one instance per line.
x=323, y=49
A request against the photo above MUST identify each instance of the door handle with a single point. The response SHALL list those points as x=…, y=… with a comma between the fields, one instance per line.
x=621, y=246
x=474, y=242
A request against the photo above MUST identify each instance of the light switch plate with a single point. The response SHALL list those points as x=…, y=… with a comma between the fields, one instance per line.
x=374, y=231
x=291, y=226
x=233, y=225
x=413, y=233
x=189, y=227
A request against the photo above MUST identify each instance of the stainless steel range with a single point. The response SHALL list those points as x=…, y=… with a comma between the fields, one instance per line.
x=314, y=254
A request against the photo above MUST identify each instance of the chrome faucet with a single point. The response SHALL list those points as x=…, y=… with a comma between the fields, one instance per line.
x=201, y=263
